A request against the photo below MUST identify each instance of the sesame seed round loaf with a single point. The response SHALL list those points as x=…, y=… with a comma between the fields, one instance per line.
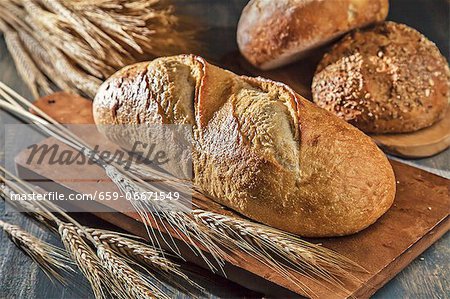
x=385, y=79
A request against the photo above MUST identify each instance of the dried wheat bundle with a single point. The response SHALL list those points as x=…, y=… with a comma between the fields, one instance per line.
x=127, y=245
x=211, y=231
x=106, y=271
x=52, y=260
x=121, y=280
x=76, y=246
x=114, y=250
x=77, y=44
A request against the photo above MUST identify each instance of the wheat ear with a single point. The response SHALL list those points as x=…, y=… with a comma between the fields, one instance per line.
x=117, y=274
x=137, y=251
x=288, y=251
x=25, y=65
x=53, y=261
x=127, y=282
x=127, y=246
x=87, y=261
x=77, y=248
x=132, y=282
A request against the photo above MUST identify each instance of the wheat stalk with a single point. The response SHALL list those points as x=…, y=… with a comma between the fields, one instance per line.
x=136, y=250
x=148, y=257
x=54, y=262
x=261, y=241
x=78, y=249
x=86, y=260
x=131, y=281
x=25, y=65
x=177, y=216
x=89, y=40
x=122, y=280
x=75, y=245
x=107, y=273
x=111, y=248
x=125, y=245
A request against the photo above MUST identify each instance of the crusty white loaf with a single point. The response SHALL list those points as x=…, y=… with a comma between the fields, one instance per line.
x=259, y=148
x=274, y=33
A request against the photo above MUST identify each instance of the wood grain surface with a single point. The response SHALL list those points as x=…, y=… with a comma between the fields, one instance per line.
x=426, y=277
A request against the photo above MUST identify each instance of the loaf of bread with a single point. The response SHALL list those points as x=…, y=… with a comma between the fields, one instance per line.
x=385, y=79
x=259, y=148
x=274, y=33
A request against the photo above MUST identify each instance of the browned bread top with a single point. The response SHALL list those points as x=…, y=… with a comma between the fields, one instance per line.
x=272, y=33
x=385, y=79
x=259, y=148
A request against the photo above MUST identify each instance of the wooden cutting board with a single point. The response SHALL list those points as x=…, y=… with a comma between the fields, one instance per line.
x=419, y=216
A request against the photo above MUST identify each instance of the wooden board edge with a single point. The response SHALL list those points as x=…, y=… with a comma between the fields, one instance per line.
x=414, y=153
x=423, y=143
x=395, y=267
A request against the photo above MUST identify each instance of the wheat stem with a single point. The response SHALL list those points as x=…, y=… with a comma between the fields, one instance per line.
x=111, y=249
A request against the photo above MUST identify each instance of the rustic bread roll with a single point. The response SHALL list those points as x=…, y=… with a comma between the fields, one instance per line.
x=274, y=33
x=385, y=79
x=259, y=148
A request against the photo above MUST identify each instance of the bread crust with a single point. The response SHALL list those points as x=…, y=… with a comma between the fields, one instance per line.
x=259, y=148
x=274, y=33
x=384, y=79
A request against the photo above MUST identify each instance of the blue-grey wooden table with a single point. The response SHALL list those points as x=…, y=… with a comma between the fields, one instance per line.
x=426, y=277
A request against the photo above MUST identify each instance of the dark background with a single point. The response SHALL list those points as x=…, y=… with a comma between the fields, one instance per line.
x=220, y=17
x=426, y=277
